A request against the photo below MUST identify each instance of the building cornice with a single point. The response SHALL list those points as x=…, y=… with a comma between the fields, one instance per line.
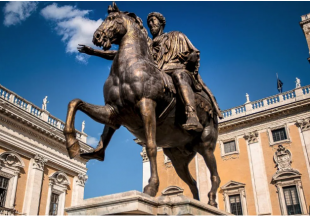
x=273, y=113
x=40, y=138
x=46, y=131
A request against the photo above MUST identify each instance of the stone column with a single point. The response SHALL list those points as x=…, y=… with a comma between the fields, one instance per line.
x=146, y=168
x=304, y=130
x=78, y=189
x=258, y=174
x=34, y=184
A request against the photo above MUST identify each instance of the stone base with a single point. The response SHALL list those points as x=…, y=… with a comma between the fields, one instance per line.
x=172, y=202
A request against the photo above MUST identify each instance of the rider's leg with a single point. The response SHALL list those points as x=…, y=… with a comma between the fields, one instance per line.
x=183, y=83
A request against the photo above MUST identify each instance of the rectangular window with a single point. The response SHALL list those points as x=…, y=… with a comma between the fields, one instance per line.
x=235, y=205
x=291, y=200
x=230, y=146
x=54, y=204
x=4, y=182
x=279, y=134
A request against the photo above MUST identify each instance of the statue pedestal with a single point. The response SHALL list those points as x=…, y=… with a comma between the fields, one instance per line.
x=172, y=202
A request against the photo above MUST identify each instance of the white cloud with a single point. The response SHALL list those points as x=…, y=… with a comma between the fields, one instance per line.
x=82, y=58
x=57, y=13
x=73, y=26
x=18, y=11
x=92, y=141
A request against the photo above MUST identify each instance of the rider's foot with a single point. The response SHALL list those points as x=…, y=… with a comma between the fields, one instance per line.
x=192, y=122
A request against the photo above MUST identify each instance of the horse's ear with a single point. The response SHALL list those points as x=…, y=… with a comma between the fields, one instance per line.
x=115, y=7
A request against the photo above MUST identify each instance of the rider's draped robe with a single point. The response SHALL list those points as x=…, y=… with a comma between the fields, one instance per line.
x=170, y=52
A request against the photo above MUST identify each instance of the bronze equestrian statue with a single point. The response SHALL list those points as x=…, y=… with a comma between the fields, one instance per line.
x=140, y=95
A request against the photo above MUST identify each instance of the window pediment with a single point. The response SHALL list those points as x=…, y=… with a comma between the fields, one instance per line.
x=232, y=185
x=59, y=178
x=285, y=175
x=11, y=159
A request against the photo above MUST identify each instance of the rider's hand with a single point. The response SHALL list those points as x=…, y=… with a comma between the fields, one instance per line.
x=192, y=58
x=192, y=61
x=85, y=49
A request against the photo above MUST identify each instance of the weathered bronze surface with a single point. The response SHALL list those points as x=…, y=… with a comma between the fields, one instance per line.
x=140, y=94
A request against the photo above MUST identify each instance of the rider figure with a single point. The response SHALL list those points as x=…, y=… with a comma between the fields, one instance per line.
x=176, y=56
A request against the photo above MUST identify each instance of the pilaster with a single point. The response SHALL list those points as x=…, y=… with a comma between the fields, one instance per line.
x=146, y=168
x=304, y=129
x=258, y=173
x=78, y=189
x=34, y=184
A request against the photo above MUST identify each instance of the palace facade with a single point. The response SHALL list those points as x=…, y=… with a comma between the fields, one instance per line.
x=37, y=177
x=262, y=154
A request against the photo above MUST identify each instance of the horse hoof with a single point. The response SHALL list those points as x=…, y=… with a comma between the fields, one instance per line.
x=150, y=191
x=93, y=155
x=74, y=149
x=212, y=203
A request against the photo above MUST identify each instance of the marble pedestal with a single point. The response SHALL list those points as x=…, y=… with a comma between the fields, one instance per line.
x=172, y=202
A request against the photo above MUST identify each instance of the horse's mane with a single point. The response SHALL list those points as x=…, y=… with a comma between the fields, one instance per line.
x=139, y=21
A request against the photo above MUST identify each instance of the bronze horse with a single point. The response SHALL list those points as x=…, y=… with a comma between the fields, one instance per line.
x=135, y=98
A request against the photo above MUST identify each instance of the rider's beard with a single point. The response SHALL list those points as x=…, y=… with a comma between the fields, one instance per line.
x=154, y=30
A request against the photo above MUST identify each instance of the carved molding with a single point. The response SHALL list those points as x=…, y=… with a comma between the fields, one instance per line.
x=11, y=159
x=43, y=131
x=290, y=110
x=251, y=137
x=39, y=162
x=172, y=190
x=144, y=155
x=28, y=142
x=59, y=178
x=167, y=161
x=304, y=124
x=283, y=159
x=81, y=179
x=230, y=157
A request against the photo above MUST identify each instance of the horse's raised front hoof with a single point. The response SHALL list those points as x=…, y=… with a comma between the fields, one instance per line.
x=74, y=149
x=93, y=155
x=152, y=191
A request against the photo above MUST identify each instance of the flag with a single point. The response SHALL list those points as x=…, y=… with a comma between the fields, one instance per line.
x=279, y=84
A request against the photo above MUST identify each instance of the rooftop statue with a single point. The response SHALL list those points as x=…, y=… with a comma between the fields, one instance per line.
x=155, y=91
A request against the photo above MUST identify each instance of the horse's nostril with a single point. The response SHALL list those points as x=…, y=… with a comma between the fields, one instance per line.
x=98, y=36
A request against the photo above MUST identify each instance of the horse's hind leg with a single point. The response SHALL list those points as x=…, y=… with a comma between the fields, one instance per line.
x=101, y=114
x=180, y=163
x=206, y=149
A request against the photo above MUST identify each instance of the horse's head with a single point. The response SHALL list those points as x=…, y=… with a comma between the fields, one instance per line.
x=113, y=28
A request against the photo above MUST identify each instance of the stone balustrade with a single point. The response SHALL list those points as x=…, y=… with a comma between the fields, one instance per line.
x=36, y=111
x=267, y=103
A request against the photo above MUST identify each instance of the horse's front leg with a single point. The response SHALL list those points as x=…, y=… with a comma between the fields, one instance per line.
x=102, y=114
x=99, y=152
x=147, y=110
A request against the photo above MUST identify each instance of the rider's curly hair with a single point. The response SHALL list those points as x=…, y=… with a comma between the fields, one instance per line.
x=159, y=16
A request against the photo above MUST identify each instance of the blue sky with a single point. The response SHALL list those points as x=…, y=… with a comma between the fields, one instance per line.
x=243, y=45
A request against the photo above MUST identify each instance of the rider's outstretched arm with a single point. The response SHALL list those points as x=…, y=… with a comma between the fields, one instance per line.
x=109, y=54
